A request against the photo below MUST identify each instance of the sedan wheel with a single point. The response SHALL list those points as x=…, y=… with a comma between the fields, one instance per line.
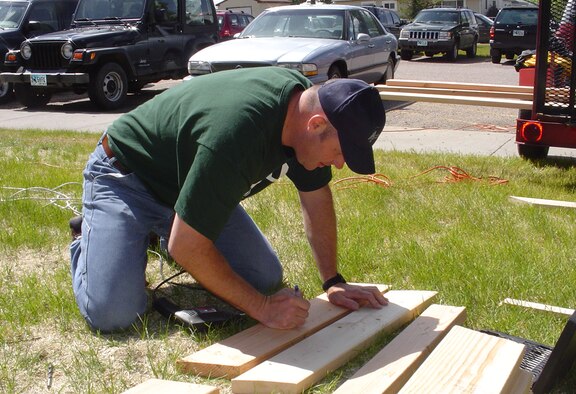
x=335, y=72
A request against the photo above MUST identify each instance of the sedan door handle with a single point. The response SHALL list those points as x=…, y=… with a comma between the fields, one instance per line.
x=370, y=45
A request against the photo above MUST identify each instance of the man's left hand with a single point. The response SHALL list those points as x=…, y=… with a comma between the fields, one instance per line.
x=355, y=296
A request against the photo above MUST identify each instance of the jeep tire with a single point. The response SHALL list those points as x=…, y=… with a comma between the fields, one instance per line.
x=108, y=86
x=453, y=53
x=6, y=92
x=471, y=52
x=31, y=97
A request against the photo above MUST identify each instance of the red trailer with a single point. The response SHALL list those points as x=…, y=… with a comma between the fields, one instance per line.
x=552, y=120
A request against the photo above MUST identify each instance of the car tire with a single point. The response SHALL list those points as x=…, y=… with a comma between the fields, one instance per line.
x=471, y=52
x=406, y=54
x=533, y=152
x=31, y=97
x=108, y=86
x=453, y=54
x=509, y=56
x=496, y=56
x=6, y=92
x=389, y=72
x=335, y=72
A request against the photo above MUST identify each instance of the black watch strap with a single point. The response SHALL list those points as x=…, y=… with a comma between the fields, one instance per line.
x=333, y=281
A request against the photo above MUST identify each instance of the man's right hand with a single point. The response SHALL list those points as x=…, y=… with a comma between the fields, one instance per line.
x=284, y=310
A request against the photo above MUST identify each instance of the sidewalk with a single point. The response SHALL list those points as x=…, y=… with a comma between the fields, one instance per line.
x=455, y=141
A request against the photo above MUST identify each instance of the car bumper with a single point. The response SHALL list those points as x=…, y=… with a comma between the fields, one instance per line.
x=40, y=79
x=425, y=45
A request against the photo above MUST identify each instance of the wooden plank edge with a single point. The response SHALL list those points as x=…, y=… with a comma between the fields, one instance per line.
x=459, y=85
x=237, y=353
x=523, y=382
x=457, y=100
x=543, y=202
x=300, y=367
x=538, y=306
x=391, y=368
x=153, y=386
x=456, y=92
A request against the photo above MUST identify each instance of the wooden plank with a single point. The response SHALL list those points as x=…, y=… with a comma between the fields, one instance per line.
x=468, y=361
x=457, y=100
x=308, y=361
x=459, y=86
x=456, y=92
x=544, y=202
x=240, y=352
x=542, y=307
x=523, y=383
x=391, y=368
x=155, y=386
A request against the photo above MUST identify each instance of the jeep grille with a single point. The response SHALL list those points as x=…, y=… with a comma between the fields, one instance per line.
x=46, y=56
x=231, y=66
x=424, y=35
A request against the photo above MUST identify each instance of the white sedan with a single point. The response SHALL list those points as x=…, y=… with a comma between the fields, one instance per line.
x=320, y=41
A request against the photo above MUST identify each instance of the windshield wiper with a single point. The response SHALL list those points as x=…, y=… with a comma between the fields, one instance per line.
x=86, y=20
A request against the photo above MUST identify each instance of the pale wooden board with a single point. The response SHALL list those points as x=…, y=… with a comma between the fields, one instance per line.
x=391, y=368
x=468, y=361
x=240, y=352
x=544, y=202
x=308, y=361
x=523, y=383
x=457, y=100
x=156, y=386
x=542, y=307
x=456, y=92
x=459, y=86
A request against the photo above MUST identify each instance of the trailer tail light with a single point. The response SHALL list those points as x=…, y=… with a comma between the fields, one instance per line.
x=531, y=131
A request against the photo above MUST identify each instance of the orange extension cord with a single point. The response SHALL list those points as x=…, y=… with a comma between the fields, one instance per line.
x=456, y=174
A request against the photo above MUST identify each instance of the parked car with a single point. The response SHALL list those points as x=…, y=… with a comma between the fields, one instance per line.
x=389, y=19
x=484, y=25
x=514, y=31
x=230, y=23
x=440, y=30
x=21, y=19
x=112, y=47
x=320, y=41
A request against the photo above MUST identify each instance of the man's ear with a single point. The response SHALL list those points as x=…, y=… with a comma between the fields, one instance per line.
x=317, y=123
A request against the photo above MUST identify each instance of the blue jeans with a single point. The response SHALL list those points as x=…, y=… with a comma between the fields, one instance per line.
x=108, y=261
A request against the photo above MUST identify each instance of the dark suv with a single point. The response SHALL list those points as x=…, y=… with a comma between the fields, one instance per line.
x=21, y=19
x=514, y=31
x=389, y=19
x=230, y=23
x=113, y=47
x=440, y=30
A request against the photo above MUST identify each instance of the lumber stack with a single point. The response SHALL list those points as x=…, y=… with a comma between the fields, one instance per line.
x=433, y=353
x=503, y=96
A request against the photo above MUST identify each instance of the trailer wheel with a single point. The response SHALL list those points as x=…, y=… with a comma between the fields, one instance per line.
x=532, y=152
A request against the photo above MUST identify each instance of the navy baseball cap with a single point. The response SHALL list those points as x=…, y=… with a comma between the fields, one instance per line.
x=355, y=110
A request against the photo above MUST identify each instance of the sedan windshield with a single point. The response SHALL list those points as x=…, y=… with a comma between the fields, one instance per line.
x=11, y=14
x=298, y=23
x=440, y=17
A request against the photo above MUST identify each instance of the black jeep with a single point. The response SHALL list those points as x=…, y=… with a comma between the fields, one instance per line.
x=514, y=31
x=21, y=19
x=113, y=47
x=440, y=30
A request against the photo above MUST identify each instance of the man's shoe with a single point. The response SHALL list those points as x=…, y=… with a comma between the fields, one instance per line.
x=76, y=227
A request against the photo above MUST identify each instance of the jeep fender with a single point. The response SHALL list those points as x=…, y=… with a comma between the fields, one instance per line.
x=105, y=55
x=195, y=44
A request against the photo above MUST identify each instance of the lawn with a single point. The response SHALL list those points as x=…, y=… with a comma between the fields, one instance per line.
x=423, y=230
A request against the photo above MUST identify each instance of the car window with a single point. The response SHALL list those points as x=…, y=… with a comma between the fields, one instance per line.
x=198, y=12
x=526, y=17
x=386, y=18
x=312, y=24
x=46, y=15
x=437, y=17
x=11, y=14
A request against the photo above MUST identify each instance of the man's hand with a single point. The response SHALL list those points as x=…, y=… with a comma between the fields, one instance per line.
x=286, y=309
x=353, y=296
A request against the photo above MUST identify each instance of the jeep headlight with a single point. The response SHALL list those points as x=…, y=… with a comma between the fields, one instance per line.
x=67, y=51
x=25, y=51
x=404, y=34
x=444, y=35
x=196, y=67
x=306, y=69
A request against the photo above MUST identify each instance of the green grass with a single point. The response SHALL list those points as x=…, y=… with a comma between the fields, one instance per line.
x=464, y=239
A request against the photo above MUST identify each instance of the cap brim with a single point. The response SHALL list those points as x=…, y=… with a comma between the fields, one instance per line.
x=359, y=159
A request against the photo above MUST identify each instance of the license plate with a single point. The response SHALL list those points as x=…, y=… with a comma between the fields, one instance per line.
x=422, y=43
x=38, y=80
x=518, y=33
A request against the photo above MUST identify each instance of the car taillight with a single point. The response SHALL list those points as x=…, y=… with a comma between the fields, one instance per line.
x=531, y=131
x=226, y=33
x=492, y=32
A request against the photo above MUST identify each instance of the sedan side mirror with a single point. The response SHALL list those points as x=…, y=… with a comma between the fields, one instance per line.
x=362, y=37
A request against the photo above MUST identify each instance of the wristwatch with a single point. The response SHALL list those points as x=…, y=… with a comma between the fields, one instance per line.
x=333, y=281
